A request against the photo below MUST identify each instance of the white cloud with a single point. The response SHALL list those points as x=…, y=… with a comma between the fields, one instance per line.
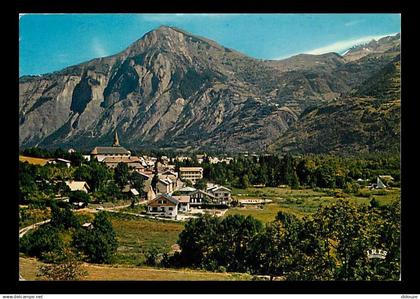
x=352, y=23
x=343, y=45
x=98, y=48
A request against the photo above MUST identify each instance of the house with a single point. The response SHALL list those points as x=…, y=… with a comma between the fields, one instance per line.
x=132, y=162
x=168, y=174
x=184, y=203
x=79, y=205
x=161, y=167
x=193, y=174
x=78, y=186
x=86, y=157
x=164, y=186
x=200, y=197
x=165, y=160
x=380, y=184
x=386, y=179
x=60, y=161
x=150, y=193
x=132, y=192
x=163, y=205
x=116, y=150
x=182, y=158
x=172, y=177
x=186, y=190
x=221, y=193
x=200, y=158
x=87, y=225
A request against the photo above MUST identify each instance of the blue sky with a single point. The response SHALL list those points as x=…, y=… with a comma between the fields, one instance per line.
x=50, y=42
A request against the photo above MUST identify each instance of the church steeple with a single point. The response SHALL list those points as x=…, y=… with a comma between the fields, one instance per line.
x=116, y=141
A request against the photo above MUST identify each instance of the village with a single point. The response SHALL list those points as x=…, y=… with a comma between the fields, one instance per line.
x=151, y=199
x=171, y=196
x=167, y=193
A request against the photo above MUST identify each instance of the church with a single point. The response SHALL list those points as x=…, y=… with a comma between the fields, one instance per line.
x=115, y=151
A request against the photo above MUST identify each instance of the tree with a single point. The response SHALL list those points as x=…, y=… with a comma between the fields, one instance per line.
x=188, y=183
x=137, y=181
x=325, y=176
x=121, y=174
x=27, y=185
x=83, y=173
x=198, y=241
x=99, y=175
x=63, y=218
x=244, y=182
x=274, y=251
x=98, y=244
x=201, y=184
x=235, y=233
x=76, y=158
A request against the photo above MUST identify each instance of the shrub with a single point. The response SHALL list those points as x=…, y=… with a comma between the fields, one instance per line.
x=66, y=265
x=45, y=239
x=152, y=257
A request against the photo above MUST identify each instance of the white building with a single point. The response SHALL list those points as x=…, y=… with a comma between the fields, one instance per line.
x=193, y=174
x=221, y=193
x=163, y=205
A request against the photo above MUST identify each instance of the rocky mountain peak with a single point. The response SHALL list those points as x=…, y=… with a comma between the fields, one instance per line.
x=387, y=43
x=173, y=89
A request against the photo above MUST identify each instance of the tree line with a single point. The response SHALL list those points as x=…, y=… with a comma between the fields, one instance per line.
x=332, y=244
x=323, y=171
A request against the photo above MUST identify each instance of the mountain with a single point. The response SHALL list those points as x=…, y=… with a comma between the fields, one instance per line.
x=175, y=90
x=366, y=120
x=385, y=44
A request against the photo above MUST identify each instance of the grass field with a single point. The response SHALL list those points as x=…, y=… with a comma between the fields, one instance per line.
x=302, y=202
x=28, y=269
x=137, y=235
x=32, y=160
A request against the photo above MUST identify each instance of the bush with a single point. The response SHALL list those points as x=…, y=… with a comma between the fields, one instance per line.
x=363, y=194
x=45, y=239
x=374, y=203
x=66, y=265
x=379, y=192
x=350, y=188
x=152, y=257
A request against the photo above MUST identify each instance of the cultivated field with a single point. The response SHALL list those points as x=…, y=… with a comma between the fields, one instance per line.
x=32, y=160
x=137, y=235
x=302, y=202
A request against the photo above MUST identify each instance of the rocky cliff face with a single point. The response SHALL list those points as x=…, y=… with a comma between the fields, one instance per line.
x=171, y=89
x=366, y=120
